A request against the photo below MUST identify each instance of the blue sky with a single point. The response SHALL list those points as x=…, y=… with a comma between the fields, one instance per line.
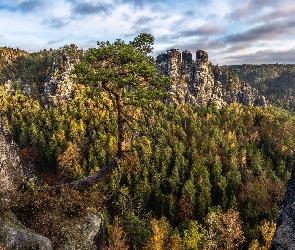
x=231, y=31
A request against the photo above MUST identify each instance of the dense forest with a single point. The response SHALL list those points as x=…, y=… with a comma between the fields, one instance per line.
x=192, y=177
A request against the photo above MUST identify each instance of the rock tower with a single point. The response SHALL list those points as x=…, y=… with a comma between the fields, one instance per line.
x=194, y=82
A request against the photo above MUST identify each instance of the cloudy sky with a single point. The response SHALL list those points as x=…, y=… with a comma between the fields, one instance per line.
x=231, y=31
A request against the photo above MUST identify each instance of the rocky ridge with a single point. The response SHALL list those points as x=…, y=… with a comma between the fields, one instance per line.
x=194, y=82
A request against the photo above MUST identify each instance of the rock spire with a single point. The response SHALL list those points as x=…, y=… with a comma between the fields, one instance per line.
x=194, y=82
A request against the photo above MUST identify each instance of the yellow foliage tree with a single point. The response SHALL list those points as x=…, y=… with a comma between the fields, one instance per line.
x=175, y=243
x=68, y=161
x=160, y=234
x=192, y=236
x=267, y=230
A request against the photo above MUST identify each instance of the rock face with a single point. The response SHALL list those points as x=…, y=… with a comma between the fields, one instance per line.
x=59, y=86
x=54, y=82
x=194, y=82
x=14, y=235
x=87, y=235
x=11, y=171
x=284, y=237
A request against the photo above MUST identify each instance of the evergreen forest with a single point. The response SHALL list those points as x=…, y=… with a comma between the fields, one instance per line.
x=189, y=177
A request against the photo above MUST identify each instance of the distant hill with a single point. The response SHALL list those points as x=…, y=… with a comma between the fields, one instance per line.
x=275, y=81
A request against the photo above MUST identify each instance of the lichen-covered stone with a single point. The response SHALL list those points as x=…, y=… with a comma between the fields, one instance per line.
x=84, y=234
x=15, y=236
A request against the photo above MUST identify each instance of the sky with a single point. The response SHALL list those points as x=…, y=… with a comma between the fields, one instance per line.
x=231, y=31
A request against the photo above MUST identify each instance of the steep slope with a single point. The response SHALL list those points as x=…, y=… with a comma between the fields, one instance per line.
x=14, y=235
x=78, y=233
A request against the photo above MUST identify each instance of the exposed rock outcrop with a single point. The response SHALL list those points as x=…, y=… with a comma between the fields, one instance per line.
x=11, y=171
x=45, y=75
x=284, y=237
x=9, y=87
x=78, y=233
x=86, y=235
x=14, y=235
x=59, y=86
x=194, y=82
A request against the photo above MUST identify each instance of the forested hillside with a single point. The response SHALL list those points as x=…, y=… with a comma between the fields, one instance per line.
x=192, y=177
x=274, y=81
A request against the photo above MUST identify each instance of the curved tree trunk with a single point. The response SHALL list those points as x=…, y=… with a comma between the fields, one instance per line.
x=107, y=169
x=93, y=179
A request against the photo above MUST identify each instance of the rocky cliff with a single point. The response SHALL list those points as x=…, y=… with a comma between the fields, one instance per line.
x=14, y=235
x=284, y=237
x=11, y=171
x=194, y=82
x=59, y=88
x=44, y=75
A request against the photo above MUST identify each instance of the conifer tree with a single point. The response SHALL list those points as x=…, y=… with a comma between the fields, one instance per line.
x=126, y=72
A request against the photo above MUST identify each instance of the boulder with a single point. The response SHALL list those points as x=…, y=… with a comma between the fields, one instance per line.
x=86, y=234
x=15, y=236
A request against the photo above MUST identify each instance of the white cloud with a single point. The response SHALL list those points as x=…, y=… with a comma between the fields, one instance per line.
x=227, y=29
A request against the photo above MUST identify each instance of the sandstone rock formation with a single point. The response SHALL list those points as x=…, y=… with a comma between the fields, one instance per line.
x=46, y=76
x=194, y=82
x=284, y=238
x=59, y=86
x=11, y=171
x=14, y=235
x=86, y=234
